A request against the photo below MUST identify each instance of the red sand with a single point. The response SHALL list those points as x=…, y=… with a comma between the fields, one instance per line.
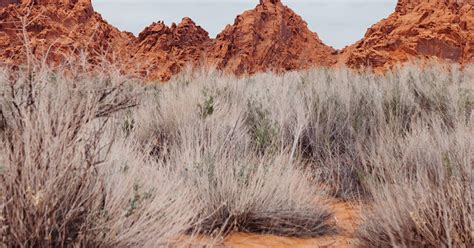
x=346, y=218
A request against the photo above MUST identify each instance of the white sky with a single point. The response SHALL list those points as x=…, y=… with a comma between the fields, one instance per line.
x=337, y=22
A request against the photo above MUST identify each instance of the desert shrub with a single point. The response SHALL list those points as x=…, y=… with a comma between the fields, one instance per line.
x=146, y=204
x=169, y=115
x=262, y=129
x=339, y=124
x=213, y=154
x=243, y=192
x=207, y=107
x=52, y=142
x=67, y=179
x=238, y=187
x=328, y=118
x=424, y=197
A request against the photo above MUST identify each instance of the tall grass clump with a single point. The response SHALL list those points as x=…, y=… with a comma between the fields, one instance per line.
x=48, y=146
x=97, y=159
x=329, y=125
x=419, y=172
x=268, y=196
x=239, y=189
x=328, y=118
x=423, y=196
x=68, y=178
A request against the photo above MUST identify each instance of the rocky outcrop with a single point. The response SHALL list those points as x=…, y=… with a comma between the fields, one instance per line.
x=57, y=31
x=161, y=51
x=270, y=37
x=4, y=3
x=418, y=29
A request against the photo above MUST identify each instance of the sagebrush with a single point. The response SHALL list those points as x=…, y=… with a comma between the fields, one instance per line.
x=98, y=159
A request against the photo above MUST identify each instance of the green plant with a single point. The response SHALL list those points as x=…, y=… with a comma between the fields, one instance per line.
x=207, y=107
x=129, y=123
x=263, y=130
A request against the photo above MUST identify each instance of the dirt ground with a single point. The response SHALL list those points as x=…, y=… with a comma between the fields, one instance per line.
x=346, y=217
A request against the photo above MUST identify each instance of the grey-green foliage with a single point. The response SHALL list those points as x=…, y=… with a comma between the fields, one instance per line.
x=128, y=123
x=206, y=108
x=263, y=130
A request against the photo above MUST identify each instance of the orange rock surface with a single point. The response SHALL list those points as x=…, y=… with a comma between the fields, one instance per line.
x=57, y=30
x=161, y=51
x=418, y=29
x=270, y=37
x=4, y=3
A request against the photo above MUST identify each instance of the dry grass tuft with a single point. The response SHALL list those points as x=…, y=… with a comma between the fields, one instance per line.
x=96, y=159
x=66, y=177
x=52, y=141
x=202, y=133
x=425, y=198
x=247, y=194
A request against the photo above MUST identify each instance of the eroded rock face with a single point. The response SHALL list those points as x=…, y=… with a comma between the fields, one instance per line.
x=57, y=31
x=269, y=37
x=4, y=3
x=161, y=51
x=418, y=29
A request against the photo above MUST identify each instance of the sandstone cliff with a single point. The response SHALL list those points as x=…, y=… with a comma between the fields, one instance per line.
x=4, y=3
x=57, y=30
x=161, y=51
x=270, y=37
x=418, y=29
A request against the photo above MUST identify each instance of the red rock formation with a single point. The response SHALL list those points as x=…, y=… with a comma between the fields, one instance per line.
x=161, y=51
x=269, y=37
x=4, y=3
x=58, y=30
x=419, y=29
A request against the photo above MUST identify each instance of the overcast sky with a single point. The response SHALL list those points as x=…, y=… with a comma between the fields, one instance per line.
x=338, y=22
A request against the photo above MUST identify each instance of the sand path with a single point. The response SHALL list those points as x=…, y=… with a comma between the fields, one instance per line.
x=346, y=217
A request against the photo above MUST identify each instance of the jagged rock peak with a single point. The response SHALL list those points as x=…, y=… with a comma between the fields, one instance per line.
x=263, y=2
x=47, y=2
x=187, y=27
x=418, y=29
x=186, y=21
x=405, y=6
x=162, y=51
x=4, y=3
x=270, y=37
x=60, y=30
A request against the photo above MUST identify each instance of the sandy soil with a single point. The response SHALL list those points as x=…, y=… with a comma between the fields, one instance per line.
x=346, y=217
